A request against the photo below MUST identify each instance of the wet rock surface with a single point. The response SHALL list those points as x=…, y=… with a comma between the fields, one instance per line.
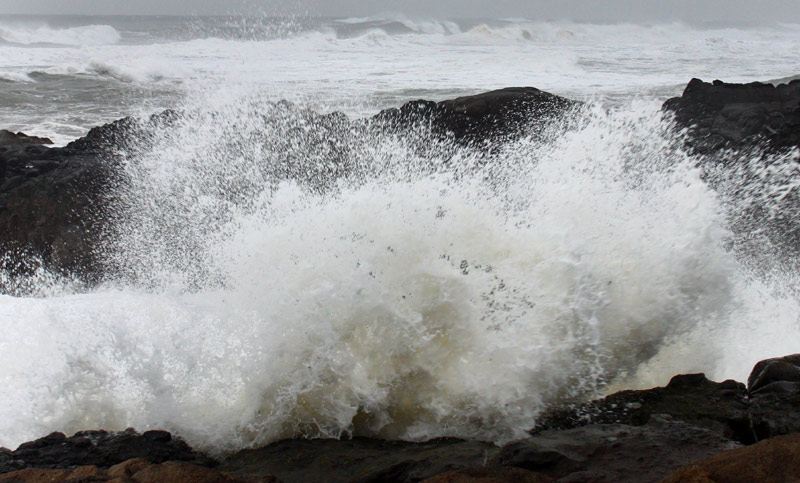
x=484, y=117
x=99, y=448
x=613, y=452
x=720, y=115
x=721, y=407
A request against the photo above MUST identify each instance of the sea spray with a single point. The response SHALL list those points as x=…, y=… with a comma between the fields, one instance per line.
x=280, y=275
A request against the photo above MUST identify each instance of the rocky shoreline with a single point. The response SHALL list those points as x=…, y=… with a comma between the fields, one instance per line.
x=54, y=203
x=692, y=429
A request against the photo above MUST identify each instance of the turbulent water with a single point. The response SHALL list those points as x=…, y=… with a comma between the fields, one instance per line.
x=269, y=287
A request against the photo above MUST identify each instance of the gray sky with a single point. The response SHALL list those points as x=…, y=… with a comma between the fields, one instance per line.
x=608, y=10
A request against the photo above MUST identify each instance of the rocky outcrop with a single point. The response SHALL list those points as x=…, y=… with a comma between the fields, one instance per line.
x=719, y=115
x=728, y=408
x=721, y=407
x=481, y=118
x=98, y=448
x=8, y=138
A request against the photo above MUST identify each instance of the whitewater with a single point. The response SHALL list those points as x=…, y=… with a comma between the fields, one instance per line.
x=261, y=291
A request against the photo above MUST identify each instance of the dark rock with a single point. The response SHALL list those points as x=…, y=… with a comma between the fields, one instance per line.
x=774, y=410
x=358, y=460
x=99, y=448
x=773, y=370
x=721, y=407
x=722, y=115
x=482, y=117
x=8, y=138
x=180, y=471
x=484, y=474
x=613, y=452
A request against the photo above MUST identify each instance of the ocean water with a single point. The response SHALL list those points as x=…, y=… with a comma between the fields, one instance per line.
x=381, y=288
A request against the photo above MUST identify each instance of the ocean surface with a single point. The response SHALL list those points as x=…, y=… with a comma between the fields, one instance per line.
x=414, y=297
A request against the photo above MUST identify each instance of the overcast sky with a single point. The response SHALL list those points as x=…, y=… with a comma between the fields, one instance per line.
x=608, y=10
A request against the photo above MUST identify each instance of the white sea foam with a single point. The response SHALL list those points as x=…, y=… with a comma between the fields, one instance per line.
x=15, y=77
x=25, y=34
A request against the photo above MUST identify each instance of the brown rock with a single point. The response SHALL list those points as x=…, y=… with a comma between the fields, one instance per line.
x=775, y=460
x=33, y=475
x=482, y=474
x=128, y=468
x=85, y=472
x=183, y=472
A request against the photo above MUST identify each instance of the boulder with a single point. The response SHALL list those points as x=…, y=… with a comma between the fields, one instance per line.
x=774, y=386
x=768, y=372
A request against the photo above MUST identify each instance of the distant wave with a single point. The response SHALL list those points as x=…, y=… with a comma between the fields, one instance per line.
x=15, y=77
x=32, y=35
x=398, y=23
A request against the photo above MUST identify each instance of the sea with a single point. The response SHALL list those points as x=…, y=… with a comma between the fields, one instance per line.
x=424, y=292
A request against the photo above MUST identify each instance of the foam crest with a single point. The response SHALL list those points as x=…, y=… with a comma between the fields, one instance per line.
x=87, y=35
